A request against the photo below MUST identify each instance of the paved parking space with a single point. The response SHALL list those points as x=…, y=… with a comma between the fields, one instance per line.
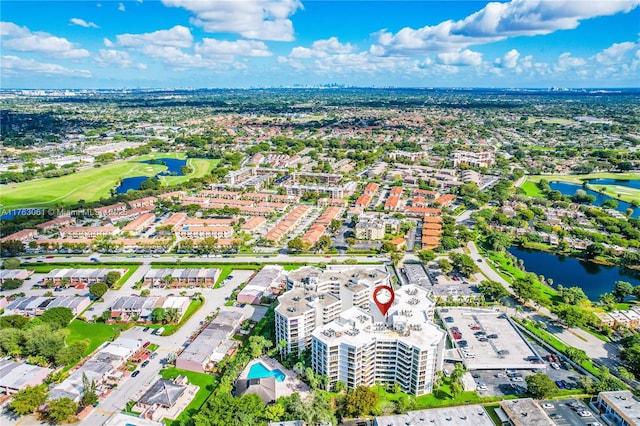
x=491, y=341
x=566, y=412
x=498, y=383
x=570, y=377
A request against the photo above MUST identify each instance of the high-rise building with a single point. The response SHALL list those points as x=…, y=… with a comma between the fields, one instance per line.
x=351, y=341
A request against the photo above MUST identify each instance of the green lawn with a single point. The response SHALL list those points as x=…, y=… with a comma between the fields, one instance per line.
x=440, y=398
x=97, y=333
x=169, y=329
x=531, y=189
x=204, y=381
x=89, y=185
x=94, y=183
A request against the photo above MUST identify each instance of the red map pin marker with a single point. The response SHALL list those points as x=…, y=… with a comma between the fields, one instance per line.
x=383, y=296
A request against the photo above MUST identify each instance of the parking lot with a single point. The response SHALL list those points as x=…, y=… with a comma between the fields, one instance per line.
x=487, y=340
x=454, y=285
x=570, y=412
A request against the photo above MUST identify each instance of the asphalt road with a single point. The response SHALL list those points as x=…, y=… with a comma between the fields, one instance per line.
x=266, y=258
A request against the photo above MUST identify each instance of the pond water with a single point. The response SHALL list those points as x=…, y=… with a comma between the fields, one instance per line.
x=571, y=188
x=592, y=278
x=620, y=182
x=173, y=169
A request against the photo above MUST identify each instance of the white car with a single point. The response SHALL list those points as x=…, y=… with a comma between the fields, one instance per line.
x=584, y=413
x=547, y=405
x=482, y=387
x=517, y=379
x=469, y=355
x=555, y=365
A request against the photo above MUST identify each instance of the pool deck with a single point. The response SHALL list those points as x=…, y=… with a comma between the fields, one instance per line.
x=289, y=386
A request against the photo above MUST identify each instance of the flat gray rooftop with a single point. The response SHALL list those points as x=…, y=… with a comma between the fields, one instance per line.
x=468, y=415
x=487, y=355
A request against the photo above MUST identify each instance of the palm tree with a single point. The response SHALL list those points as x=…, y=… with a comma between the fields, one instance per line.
x=437, y=381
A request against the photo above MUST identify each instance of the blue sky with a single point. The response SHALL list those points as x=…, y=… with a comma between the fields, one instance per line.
x=272, y=43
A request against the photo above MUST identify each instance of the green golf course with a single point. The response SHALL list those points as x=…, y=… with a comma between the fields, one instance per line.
x=93, y=183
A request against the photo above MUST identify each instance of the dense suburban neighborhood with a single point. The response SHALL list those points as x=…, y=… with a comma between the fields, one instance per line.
x=296, y=259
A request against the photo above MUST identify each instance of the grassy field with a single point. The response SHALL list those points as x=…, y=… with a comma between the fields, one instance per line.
x=92, y=184
x=96, y=333
x=204, y=381
x=531, y=189
x=616, y=191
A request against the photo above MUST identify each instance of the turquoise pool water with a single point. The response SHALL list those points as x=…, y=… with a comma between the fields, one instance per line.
x=258, y=371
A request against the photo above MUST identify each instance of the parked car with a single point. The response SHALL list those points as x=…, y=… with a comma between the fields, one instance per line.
x=135, y=373
x=560, y=384
x=144, y=364
x=448, y=319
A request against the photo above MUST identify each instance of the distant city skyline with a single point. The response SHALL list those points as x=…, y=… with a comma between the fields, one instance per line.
x=269, y=43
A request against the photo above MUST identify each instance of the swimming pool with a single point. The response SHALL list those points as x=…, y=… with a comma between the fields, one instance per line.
x=258, y=371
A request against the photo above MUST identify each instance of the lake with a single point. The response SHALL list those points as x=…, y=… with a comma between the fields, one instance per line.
x=130, y=183
x=571, y=188
x=592, y=278
x=173, y=169
x=620, y=182
x=173, y=165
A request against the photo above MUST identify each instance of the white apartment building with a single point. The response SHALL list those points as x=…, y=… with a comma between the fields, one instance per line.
x=333, y=312
x=372, y=227
x=473, y=159
x=364, y=348
x=317, y=297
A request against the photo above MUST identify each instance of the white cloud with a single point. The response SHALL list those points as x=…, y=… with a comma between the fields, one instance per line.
x=16, y=65
x=498, y=21
x=113, y=57
x=21, y=39
x=321, y=48
x=210, y=47
x=175, y=48
x=83, y=23
x=121, y=7
x=256, y=19
x=510, y=59
x=567, y=62
x=177, y=36
x=616, y=53
x=461, y=58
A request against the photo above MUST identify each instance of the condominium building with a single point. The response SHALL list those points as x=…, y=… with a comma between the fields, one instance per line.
x=371, y=227
x=333, y=312
x=317, y=297
x=473, y=159
x=363, y=347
